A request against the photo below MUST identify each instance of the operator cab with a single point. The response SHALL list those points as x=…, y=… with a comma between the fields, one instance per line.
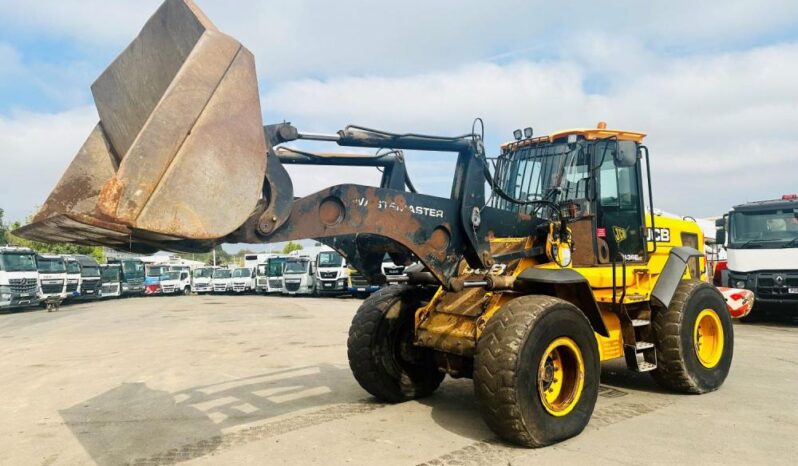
x=594, y=176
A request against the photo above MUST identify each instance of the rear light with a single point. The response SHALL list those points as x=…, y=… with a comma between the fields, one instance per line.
x=789, y=197
x=720, y=266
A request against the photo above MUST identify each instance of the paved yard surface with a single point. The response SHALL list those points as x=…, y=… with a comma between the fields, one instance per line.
x=265, y=380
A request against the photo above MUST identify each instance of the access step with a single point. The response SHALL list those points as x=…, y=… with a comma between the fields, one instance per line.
x=640, y=322
x=643, y=345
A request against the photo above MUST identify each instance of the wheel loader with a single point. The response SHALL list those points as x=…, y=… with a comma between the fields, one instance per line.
x=541, y=264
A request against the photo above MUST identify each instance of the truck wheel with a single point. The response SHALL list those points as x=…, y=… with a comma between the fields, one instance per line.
x=380, y=347
x=536, y=371
x=694, y=339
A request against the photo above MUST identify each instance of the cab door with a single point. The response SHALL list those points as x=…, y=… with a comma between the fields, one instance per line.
x=620, y=202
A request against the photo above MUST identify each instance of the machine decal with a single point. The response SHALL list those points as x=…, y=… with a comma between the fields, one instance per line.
x=661, y=235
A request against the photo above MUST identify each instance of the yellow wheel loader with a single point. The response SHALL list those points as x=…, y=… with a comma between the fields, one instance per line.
x=541, y=264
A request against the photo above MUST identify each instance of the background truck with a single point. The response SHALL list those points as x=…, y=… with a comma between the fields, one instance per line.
x=359, y=285
x=299, y=276
x=52, y=276
x=252, y=260
x=761, y=241
x=270, y=275
x=221, y=280
x=201, y=281
x=536, y=267
x=90, y=282
x=132, y=275
x=242, y=280
x=152, y=278
x=176, y=281
x=111, y=280
x=332, y=273
x=19, y=277
x=73, y=277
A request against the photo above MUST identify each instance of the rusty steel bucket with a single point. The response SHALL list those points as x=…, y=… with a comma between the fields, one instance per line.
x=178, y=158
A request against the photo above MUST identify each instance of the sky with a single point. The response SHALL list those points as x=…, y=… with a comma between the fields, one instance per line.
x=713, y=84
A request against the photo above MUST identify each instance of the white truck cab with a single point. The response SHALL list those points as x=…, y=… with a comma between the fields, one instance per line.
x=221, y=280
x=19, y=282
x=72, y=277
x=90, y=282
x=270, y=275
x=202, y=280
x=390, y=269
x=332, y=274
x=761, y=240
x=52, y=276
x=111, y=280
x=299, y=276
x=176, y=281
x=242, y=280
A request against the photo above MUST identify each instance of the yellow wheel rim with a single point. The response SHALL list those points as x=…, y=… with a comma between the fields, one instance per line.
x=561, y=376
x=708, y=338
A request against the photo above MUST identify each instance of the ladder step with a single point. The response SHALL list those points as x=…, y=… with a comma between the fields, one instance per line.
x=643, y=345
x=640, y=322
x=645, y=366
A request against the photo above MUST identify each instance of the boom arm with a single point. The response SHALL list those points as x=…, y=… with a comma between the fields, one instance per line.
x=364, y=222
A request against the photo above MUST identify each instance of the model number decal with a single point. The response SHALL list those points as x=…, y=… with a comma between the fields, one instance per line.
x=661, y=235
x=417, y=210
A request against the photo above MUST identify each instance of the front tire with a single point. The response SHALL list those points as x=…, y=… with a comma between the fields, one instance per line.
x=536, y=371
x=694, y=338
x=380, y=347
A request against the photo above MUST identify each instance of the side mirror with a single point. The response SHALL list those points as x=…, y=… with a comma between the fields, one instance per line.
x=720, y=231
x=626, y=154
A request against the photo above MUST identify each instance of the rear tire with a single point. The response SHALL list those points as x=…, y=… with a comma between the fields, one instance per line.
x=694, y=338
x=380, y=347
x=522, y=395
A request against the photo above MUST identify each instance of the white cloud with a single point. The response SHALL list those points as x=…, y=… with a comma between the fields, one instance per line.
x=721, y=126
x=35, y=149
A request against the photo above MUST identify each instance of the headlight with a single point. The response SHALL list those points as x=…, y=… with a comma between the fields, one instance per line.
x=739, y=284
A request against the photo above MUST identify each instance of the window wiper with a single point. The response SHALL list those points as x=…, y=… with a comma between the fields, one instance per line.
x=790, y=242
x=750, y=243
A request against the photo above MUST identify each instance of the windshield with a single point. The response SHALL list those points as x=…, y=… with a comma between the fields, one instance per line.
x=133, y=268
x=47, y=265
x=72, y=267
x=111, y=274
x=330, y=259
x=221, y=273
x=17, y=262
x=203, y=273
x=239, y=273
x=90, y=271
x=295, y=267
x=276, y=267
x=156, y=271
x=173, y=275
x=774, y=227
x=547, y=171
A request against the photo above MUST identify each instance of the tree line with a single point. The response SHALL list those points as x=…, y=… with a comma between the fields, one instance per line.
x=222, y=257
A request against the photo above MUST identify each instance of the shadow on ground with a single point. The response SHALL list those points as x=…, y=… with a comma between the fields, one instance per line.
x=136, y=424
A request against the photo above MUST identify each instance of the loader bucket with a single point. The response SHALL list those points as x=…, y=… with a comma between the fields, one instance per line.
x=179, y=155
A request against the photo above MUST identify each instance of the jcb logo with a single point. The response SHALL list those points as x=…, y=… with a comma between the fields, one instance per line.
x=496, y=269
x=620, y=234
x=661, y=235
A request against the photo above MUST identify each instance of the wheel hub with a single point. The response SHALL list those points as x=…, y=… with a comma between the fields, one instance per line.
x=708, y=338
x=561, y=376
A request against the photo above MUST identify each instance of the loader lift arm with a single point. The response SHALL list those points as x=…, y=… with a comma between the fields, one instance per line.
x=364, y=222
